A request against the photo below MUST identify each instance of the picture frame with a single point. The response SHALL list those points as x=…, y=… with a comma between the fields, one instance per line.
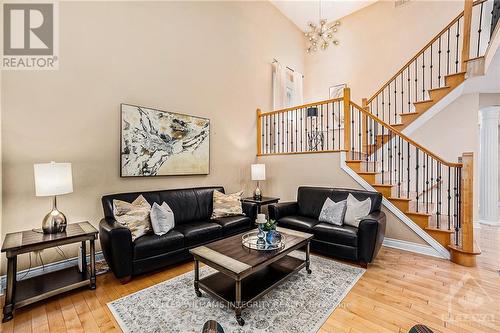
x=155, y=143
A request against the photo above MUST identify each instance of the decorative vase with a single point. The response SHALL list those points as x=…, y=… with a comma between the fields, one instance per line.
x=261, y=236
x=270, y=237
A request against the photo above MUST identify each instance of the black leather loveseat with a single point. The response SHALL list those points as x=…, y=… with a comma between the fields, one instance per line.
x=193, y=226
x=357, y=244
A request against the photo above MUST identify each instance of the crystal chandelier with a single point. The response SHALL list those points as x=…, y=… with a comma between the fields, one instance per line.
x=322, y=35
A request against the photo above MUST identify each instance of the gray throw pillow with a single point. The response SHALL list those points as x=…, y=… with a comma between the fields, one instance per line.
x=162, y=218
x=356, y=210
x=333, y=212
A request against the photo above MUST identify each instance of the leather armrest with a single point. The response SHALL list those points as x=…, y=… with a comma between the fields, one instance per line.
x=250, y=210
x=116, y=244
x=371, y=232
x=279, y=210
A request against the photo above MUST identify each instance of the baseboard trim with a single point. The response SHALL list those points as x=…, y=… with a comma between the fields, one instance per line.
x=399, y=214
x=52, y=267
x=490, y=223
x=411, y=247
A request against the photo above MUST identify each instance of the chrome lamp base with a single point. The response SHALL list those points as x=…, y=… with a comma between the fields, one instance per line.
x=257, y=193
x=55, y=221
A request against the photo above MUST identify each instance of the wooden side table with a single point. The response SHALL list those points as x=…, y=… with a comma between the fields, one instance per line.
x=262, y=202
x=27, y=291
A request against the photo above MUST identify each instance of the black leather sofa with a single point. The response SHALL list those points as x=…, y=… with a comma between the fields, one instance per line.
x=193, y=226
x=345, y=242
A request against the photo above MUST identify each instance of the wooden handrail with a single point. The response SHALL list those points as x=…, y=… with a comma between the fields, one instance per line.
x=404, y=137
x=477, y=2
x=333, y=100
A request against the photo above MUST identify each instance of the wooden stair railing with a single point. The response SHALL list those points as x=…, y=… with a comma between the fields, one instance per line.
x=432, y=192
x=438, y=68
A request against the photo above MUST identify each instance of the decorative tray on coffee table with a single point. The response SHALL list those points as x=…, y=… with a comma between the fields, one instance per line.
x=251, y=240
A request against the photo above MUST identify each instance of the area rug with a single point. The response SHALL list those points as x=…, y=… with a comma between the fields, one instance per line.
x=301, y=304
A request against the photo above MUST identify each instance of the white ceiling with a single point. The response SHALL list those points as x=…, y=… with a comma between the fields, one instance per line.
x=303, y=12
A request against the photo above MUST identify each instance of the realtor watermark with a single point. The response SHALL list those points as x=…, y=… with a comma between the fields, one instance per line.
x=467, y=302
x=30, y=36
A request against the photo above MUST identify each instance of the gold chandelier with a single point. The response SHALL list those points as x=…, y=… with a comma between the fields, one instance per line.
x=322, y=35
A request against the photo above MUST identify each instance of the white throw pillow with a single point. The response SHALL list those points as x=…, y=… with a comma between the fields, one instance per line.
x=333, y=212
x=162, y=218
x=356, y=210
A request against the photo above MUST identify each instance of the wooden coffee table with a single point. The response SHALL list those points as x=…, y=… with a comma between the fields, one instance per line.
x=245, y=274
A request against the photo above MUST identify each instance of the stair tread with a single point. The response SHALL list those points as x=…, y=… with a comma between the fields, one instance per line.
x=383, y=185
x=408, y=113
x=354, y=161
x=367, y=172
x=424, y=101
x=454, y=74
x=446, y=231
x=439, y=88
x=418, y=213
x=476, y=249
x=400, y=199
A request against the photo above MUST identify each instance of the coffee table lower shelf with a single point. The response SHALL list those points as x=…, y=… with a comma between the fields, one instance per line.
x=253, y=286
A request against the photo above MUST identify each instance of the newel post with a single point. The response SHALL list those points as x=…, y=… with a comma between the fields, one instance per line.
x=347, y=119
x=259, y=131
x=466, y=33
x=465, y=254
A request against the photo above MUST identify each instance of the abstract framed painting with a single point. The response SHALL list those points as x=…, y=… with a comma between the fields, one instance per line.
x=160, y=143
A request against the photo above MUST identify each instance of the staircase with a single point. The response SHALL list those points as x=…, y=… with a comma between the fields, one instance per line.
x=433, y=194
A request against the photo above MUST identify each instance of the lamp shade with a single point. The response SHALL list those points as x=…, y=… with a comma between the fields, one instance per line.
x=258, y=172
x=53, y=179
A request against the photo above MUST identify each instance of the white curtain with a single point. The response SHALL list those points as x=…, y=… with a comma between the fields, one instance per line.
x=279, y=86
x=298, y=88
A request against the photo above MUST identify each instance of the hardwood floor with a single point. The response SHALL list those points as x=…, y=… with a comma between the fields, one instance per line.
x=399, y=290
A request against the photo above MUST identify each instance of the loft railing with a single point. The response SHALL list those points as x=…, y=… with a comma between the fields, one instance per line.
x=309, y=128
x=431, y=184
x=464, y=38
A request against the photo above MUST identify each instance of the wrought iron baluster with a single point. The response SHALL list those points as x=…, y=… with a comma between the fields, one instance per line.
x=449, y=198
x=439, y=62
x=427, y=183
x=408, y=171
x=341, y=112
x=382, y=138
x=423, y=75
x=438, y=194
x=409, y=90
x=431, y=66
x=448, y=54
x=327, y=127
x=395, y=102
x=480, y=29
x=416, y=80
x=456, y=51
x=416, y=174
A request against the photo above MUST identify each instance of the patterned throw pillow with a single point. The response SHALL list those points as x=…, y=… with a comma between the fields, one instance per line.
x=356, y=210
x=227, y=204
x=134, y=215
x=333, y=212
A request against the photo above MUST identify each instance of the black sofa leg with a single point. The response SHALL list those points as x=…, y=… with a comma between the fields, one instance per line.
x=363, y=264
x=126, y=279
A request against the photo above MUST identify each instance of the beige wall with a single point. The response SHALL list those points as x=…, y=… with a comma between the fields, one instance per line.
x=210, y=59
x=458, y=128
x=374, y=44
x=284, y=174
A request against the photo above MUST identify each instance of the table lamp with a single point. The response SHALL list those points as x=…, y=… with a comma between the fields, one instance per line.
x=258, y=173
x=52, y=179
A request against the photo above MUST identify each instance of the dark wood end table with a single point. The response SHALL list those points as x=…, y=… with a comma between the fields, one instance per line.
x=261, y=202
x=243, y=275
x=27, y=291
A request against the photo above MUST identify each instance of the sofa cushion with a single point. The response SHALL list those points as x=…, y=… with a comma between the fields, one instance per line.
x=151, y=245
x=233, y=224
x=331, y=233
x=199, y=232
x=206, y=201
x=300, y=223
x=311, y=199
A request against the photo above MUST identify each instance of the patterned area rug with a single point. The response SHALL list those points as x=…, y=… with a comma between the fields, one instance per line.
x=301, y=304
